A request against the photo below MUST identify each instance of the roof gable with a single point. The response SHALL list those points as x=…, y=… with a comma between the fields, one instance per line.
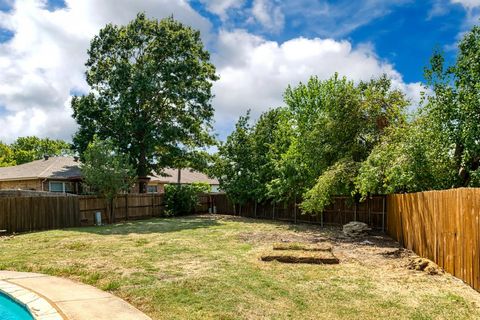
x=52, y=168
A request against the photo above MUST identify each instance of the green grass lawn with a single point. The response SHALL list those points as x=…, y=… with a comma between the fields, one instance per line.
x=208, y=267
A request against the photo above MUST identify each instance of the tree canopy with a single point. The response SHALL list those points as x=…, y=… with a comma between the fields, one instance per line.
x=339, y=137
x=314, y=146
x=106, y=171
x=27, y=149
x=150, y=92
x=6, y=155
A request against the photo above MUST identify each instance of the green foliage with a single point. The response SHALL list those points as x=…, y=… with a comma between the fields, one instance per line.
x=271, y=137
x=337, y=180
x=453, y=109
x=27, y=149
x=314, y=146
x=337, y=125
x=410, y=158
x=6, y=156
x=151, y=92
x=106, y=170
x=182, y=199
x=235, y=162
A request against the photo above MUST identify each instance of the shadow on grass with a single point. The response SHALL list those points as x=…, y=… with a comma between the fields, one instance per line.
x=331, y=233
x=155, y=225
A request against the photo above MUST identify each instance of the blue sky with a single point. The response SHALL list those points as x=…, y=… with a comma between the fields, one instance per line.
x=404, y=33
x=258, y=46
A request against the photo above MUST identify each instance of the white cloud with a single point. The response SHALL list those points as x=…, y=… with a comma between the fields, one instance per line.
x=468, y=4
x=337, y=18
x=269, y=14
x=44, y=61
x=472, y=8
x=254, y=72
x=221, y=7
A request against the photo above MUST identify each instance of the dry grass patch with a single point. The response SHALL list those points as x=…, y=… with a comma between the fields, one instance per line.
x=208, y=267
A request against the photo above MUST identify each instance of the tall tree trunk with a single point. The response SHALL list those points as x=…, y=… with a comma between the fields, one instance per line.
x=463, y=175
x=179, y=176
x=142, y=171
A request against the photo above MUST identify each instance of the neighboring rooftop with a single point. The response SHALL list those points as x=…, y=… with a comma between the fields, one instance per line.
x=64, y=168
x=186, y=176
x=51, y=168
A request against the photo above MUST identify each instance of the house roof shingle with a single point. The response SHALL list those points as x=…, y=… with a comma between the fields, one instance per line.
x=186, y=176
x=64, y=168
x=52, y=168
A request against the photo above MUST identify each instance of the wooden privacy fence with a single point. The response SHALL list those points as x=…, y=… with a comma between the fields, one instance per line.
x=126, y=207
x=442, y=226
x=32, y=213
x=342, y=210
x=19, y=214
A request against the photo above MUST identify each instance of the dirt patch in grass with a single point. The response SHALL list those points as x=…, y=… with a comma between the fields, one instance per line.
x=270, y=237
x=303, y=246
x=375, y=250
x=296, y=256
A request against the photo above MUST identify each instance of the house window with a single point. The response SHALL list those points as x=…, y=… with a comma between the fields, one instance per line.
x=56, y=186
x=60, y=186
x=152, y=189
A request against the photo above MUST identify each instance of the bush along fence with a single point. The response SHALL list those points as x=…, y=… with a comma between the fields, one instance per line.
x=341, y=211
x=443, y=226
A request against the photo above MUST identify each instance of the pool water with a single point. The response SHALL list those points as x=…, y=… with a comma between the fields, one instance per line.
x=10, y=310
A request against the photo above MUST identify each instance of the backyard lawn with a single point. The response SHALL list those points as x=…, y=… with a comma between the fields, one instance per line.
x=204, y=267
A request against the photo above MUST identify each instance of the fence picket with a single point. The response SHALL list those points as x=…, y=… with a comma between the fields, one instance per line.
x=442, y=226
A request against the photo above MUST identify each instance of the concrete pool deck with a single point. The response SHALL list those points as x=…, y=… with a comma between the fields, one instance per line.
x=73, y=300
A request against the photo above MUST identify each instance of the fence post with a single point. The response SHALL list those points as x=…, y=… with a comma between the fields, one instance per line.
x=355, y=212
x=383, y=214
x=126, y=207
x=369, y=211
x=255, y=210
x=273, y=212
x=295, y=209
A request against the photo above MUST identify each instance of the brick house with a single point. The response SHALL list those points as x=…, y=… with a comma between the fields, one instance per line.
x=63, y=174
x=55, y=174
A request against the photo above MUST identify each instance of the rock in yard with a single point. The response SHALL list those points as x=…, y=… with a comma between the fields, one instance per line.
x=355, y=229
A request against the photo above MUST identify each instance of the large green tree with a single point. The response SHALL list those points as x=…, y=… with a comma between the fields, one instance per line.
x=235, y=166
x=454, y=109
x=27, y=149
x=410, y=158
x=338, y=123
x=271, y=138
x=248, y=162
x=440, y=147
x=150, y=92
x=314, y=146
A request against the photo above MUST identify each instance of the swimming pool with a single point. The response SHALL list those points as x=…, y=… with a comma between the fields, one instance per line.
x=10, y=310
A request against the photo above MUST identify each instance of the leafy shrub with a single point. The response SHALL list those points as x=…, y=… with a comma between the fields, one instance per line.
x=182, y=199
